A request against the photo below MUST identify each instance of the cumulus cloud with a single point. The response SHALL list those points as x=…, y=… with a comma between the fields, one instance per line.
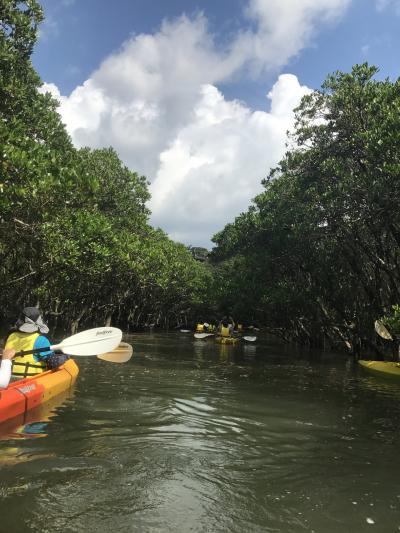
x=215, y=164
x=157, y=102
x=283, y=29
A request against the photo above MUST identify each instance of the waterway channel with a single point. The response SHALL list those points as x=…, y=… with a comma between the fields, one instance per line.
x=191, y=436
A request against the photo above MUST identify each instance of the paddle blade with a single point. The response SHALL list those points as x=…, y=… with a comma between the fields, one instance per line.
x=382, y=331
x=250, y=339
x=121, y=354
x=185, y=330
x=92, y=342
x=202, y=335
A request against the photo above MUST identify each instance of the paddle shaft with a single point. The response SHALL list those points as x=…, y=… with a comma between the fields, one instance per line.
x=38, y=350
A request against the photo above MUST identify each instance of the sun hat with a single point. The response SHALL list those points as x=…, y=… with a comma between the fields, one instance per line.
x=31, y=321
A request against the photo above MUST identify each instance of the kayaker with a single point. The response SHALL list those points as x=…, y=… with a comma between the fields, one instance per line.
x=226, y=327
x=201, y=326
x=28, y=334
x=5, y=367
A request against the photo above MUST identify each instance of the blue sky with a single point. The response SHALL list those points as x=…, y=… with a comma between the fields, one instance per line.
x=170, y=83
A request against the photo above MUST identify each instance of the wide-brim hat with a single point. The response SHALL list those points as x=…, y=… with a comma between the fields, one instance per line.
x=31, y=321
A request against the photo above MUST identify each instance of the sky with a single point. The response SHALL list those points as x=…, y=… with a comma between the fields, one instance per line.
x=198, y=95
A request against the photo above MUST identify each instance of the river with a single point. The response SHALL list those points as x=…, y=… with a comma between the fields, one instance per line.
x=190, y=436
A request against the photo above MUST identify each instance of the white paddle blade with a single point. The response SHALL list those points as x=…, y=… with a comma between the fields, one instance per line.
x=202, y=335
x=382, y=331
x=185, y=330
x=92, y=342
x=250, y=339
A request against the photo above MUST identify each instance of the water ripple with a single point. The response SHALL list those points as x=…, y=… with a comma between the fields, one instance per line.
x=189, y=437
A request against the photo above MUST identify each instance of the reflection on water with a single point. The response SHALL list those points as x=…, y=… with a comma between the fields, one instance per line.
x=30, y=425
x=194, y=436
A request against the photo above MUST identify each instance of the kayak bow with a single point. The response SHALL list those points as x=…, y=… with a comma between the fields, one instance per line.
x=227, y=340
x=384, y=368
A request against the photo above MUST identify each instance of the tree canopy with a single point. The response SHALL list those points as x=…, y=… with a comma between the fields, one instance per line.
x=75, y=237
x=319, y=248
x=315, y=257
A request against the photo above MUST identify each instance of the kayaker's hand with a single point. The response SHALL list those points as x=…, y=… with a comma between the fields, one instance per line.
x=9, y=353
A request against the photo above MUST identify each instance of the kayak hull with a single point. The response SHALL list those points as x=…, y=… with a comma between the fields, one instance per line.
x=227, y=340
x=26, y=394
x=383, y=368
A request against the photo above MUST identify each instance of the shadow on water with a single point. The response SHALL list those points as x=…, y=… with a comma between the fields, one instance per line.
x=194, y=436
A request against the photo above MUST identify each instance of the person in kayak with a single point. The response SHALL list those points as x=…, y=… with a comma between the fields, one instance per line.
x=226, y=327
x=202, y=326
x=28, y=334
x=5, y=367
x=239, y=326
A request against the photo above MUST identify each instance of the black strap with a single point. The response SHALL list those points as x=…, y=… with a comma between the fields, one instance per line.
x=27, y=366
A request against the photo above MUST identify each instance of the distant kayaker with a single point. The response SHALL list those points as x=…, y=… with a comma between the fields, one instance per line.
x=5, y=367
x=28, y=334
x=202, y=326
x=226, y=327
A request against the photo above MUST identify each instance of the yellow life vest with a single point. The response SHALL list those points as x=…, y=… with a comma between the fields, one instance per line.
x=240, y=327
x=199, y=328
x=225, y=332
x=26, y=365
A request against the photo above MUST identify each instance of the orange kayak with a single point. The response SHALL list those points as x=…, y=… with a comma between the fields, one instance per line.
x=25, y=394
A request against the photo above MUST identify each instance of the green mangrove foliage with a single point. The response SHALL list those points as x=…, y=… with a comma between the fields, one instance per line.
x=392, y=320
x=74, y=231
x=317, y=255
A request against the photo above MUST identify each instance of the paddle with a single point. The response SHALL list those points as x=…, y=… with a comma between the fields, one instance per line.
x=382, y=331
x=121, y=354
x=203, y=335
x=185, y=330
x=90, y=342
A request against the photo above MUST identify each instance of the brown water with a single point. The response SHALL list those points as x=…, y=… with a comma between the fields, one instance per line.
x=190, y=436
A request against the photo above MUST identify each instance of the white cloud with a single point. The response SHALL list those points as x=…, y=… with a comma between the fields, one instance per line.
x=81, y=111
x=215, y=164
x=156, y=101
x=283, y=28
x=381, y=5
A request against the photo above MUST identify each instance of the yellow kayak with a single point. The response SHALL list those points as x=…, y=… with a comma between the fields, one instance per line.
x=384, y=368
x=227, y=340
